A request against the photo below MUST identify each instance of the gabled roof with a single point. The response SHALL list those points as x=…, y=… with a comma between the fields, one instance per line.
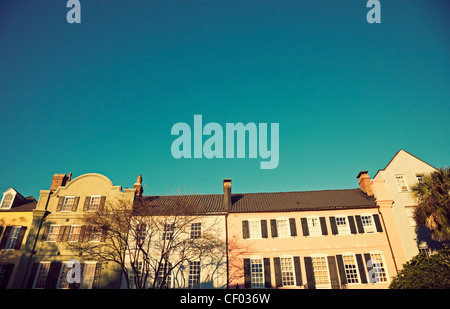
x=261, y=202
x=398, y=152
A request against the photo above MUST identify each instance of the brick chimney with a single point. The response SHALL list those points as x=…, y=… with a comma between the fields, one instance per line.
x=364, y=182
x=227, y=194
x=59, y=180
x=138, y=186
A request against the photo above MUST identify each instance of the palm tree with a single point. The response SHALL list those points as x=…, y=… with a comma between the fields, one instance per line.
x=432, y=194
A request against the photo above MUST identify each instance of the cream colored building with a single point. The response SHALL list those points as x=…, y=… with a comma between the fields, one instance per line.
x=57, y=218
x=403, y=171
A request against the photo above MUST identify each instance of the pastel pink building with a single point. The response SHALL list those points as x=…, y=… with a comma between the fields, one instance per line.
x=312, y=239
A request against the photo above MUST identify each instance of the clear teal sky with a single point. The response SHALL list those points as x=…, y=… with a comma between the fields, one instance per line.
x=102, y=96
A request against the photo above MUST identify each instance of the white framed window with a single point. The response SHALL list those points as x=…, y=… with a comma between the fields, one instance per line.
x=379, y=269
x=53, y=233
x=287, y=271
x=320, y=270
x=257, y=272
x=283, y=227
x=165, y=271
x=314, y=226
x=254, y=227
x=351, y=268
x=68, y=203
x=196, y=230
x=74, y=233
x=194, y=275
x=419, y=177
x=168, y=231
x=94, y=203
x=88, y=275
x=368, y=223
x=401, y=183
x=13, y=236
x=342, y=225
x=7, y=201
x=41, y=275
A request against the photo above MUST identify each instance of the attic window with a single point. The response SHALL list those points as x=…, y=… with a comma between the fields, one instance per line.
x=7, y=201
x=401, y=183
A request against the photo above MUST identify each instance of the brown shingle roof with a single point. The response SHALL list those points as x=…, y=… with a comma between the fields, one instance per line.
x=263, y=202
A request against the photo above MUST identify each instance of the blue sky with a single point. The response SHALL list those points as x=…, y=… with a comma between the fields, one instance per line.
x=102, y=96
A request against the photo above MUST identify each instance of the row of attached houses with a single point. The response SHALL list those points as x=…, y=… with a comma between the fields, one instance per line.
x=352, y=238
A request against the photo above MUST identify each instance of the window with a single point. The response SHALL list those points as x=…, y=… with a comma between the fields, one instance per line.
x=257, y=272
x=351, y=269
x=283, y=228
x=7, y=201
x=88, y=275
x=401, y=183
x=254, y=227
x=314, y=226
x=419, y=177
x=53, y=232
x=13, y=236
x=320, y=269
x=342, y=225
x=424, y=249
x=196, y=230
x=41, y=276
x=96, y=234
x=368, y=223
x=379, y=271
x=74, y=233
x=164, y=275
x=194, y=275
x=287, y=271
x=94, y=203
x=68, y=203
x=63, y=283
x=168, y=231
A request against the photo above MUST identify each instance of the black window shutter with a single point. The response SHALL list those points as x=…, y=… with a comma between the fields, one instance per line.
x=267, y=274
x=277, y=268
x=369, y=266
x=5, y=237
x=351, y=223
x=45, y=233
x=333, y=272
x=19, y=240
x=273, y=226
x=86, y=203
x=32, y=275
x=1, y=229
x=293, y=226
x=102, y=203
x=359, y=224
x=53, y=274
x=304, y=226
x=376, y=218
x=6, y=276
x=298, y=271
x=96, y=282
x=75, y=203
x=247, y=276
x=311, y=282
x=264, y=233
x=245, y=229
x=60, y=202
x=341, y=268
x=333, y=225
x=323, y=225
x=361, y=268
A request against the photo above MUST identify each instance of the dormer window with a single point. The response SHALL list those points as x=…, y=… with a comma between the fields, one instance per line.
x=7, y=201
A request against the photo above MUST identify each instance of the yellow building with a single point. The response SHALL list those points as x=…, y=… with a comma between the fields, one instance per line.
x=16, y=214
x=60, y=211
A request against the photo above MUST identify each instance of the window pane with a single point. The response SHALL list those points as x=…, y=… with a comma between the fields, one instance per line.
x=194, y=275
x=257, y=273
x=287, y=271
x=255, y=228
